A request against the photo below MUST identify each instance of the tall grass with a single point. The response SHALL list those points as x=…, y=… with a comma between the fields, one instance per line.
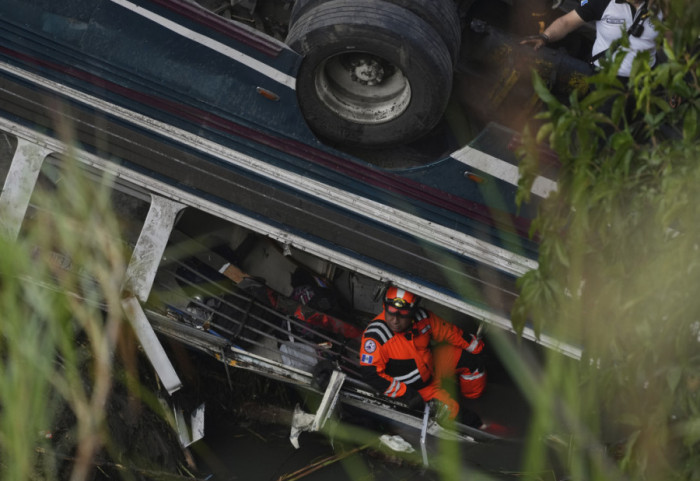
x=60, y=319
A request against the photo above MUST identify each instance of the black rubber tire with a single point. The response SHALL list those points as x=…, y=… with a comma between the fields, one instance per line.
x=339, y=29
x=442, y=15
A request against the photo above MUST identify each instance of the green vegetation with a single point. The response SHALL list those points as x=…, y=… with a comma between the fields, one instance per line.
x=46, y=338
x=73, y=402
x=619, y=266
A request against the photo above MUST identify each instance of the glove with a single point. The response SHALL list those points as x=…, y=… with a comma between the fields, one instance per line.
x=412, y=399
x=439, y=410
x=475, y=346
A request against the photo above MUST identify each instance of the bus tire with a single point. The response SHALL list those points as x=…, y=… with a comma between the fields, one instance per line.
x=373, y=74
x=442, y=15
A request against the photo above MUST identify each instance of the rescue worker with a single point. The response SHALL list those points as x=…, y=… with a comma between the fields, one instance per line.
x=398, y=356
x=611, y=17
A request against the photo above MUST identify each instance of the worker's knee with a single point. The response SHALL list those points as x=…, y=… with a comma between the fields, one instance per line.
x=472, y=384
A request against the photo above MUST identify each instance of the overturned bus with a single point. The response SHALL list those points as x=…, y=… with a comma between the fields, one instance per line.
x=207, y=123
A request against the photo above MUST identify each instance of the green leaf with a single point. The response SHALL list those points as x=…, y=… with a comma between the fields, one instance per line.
x=661, y=103
x=690, y=124
x=518, y=317
x=618, y=110
x=544, y=132
x=663, y=73
x=561, y=253
x=597, y=97
x=543, y=92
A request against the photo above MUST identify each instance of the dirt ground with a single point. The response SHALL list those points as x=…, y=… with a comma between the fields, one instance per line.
x=138, y=444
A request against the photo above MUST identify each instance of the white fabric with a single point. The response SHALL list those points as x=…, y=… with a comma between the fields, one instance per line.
x=616, y=19
x=298, y=355
x=396, y=443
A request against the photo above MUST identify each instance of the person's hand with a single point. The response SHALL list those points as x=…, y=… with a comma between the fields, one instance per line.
x=413, y=400
x=537, y=41
x=439, y=411
x=475, y=346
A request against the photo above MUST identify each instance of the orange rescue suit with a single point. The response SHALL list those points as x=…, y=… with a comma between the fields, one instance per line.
x=392, y=362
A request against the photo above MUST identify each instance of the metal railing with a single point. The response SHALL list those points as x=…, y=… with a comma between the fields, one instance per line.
x=220, y=308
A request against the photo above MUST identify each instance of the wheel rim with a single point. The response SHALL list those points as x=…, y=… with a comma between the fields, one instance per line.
x=362, y=88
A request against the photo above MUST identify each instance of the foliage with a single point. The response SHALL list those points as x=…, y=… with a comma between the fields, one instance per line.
x=619, y=257
x=61, y=319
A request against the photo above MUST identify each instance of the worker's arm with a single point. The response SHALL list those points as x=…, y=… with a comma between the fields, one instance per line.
x=448, y=332
x=559, y=29
x=373, y=367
